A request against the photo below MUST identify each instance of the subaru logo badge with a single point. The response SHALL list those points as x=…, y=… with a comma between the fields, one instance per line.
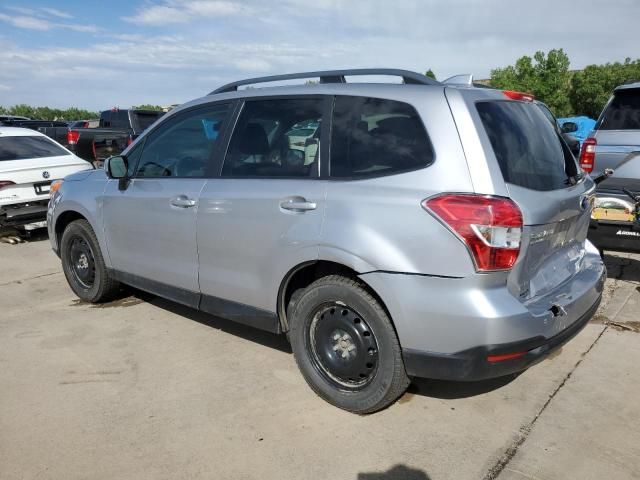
x=45, y=174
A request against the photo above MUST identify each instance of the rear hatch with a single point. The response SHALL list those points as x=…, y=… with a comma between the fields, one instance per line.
x=617, y=134
x=542, y=177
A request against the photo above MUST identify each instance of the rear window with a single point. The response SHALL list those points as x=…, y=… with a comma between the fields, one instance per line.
x=526, y=145
x=145, y=120
x=374, y=137
x=20, y=148
x=623, y=112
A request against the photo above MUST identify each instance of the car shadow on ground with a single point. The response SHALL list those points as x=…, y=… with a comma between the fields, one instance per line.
x=621, y=266
x=397, y=472
x=278, y=342
x=449, y=390
x=441, y=389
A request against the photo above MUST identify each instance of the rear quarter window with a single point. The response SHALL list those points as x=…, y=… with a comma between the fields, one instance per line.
x=526, y=145
x=623, y=112
x=374, y=137
x=21, y=148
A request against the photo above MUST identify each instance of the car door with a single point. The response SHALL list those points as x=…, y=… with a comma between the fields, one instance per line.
x=263, y=216
x=150, y=227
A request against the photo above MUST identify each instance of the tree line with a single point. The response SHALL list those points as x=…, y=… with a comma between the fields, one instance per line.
x=567, y=92
x=46, y=113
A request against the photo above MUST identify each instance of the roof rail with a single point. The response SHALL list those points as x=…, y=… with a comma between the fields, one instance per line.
x=333, y=76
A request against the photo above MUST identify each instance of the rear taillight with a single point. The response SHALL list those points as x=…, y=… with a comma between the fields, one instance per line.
x=523, y=97
x=490, y=227
x=72, y=137
x=93, y=149
x=129, y=140
x=588, y=154
x=5, y=183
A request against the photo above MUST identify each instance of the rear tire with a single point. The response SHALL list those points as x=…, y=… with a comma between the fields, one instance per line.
x=83, y=264
x=346, y=347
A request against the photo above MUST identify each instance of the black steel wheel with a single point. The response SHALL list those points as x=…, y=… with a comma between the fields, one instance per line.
x=83, y=264
x=345, y=345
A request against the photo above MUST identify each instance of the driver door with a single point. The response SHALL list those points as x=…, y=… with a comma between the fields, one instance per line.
x=150, y=227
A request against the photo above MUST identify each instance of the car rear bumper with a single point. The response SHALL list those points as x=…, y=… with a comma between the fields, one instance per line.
x=447, y=327
x=473, y=364
x=23, y=213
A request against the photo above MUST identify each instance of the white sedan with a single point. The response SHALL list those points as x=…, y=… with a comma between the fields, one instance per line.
x=29, y=162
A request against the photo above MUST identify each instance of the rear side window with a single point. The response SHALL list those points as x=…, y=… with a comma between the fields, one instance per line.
x=526, y=145
x=20, y=148
x=623, y=113
x=373, y=137
x=276, y=138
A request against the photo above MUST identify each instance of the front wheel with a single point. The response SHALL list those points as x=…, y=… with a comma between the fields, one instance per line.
x=346, y=347
x=83, y=264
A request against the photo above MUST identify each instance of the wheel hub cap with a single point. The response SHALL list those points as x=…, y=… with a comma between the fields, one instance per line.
x=343, y=346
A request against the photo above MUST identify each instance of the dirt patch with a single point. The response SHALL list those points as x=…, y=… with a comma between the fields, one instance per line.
x=625, y=326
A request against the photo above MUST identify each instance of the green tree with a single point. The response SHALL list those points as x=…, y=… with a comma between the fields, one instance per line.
x=546, y=76
x=592, y=87
x=147, y=107
x=429, y=73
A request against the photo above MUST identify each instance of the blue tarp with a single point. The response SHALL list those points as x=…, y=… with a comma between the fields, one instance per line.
x=585, y=125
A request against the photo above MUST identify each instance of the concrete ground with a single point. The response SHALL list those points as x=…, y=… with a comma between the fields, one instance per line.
x=143, y=388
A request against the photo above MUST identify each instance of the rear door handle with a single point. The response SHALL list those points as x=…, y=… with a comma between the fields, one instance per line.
x=183, y=201
x=297, y=204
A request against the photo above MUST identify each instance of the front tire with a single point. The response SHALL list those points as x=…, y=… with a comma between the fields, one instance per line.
x=83, y=264
x=346, y=347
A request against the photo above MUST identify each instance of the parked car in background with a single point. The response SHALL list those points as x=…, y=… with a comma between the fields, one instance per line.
x=84, y=123
x=615, y=144
x=11, y=118
x=580, y=127
x=440, y=231
x=115, y=131
x=29, y=162
x=572, y=142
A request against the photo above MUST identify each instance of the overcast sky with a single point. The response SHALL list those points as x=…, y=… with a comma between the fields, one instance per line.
x=121, y=52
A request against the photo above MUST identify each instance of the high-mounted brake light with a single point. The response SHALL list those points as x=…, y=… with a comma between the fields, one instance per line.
x=490, y=227
x=523, y=97
x=72, y=137
x=588, y=154
x=5, y=183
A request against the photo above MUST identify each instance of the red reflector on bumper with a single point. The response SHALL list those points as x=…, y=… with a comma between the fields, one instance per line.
x=505, y=356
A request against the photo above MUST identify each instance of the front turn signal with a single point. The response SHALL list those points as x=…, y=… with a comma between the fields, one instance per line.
x=55, y=186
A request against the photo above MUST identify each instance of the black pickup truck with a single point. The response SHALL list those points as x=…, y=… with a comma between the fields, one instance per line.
x=116, y=129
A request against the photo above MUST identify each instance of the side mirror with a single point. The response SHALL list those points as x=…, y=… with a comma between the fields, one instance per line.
x=569, y=127
x=116, y=168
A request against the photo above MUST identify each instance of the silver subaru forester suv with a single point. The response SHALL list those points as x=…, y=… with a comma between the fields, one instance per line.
x=420, y=229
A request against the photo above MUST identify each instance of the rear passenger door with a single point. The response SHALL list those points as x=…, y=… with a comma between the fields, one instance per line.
x=264, y=214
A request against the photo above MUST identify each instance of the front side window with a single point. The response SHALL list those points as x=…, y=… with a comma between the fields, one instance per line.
x=374, y=137
x=276, y=138
x=183, y=146
x=21, y=148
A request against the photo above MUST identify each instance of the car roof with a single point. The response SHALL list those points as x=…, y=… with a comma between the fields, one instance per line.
x=19, y=132
x=627, y=86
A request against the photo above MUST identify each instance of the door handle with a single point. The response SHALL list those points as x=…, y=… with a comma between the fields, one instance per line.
x=297, y=204
x=183, y=201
